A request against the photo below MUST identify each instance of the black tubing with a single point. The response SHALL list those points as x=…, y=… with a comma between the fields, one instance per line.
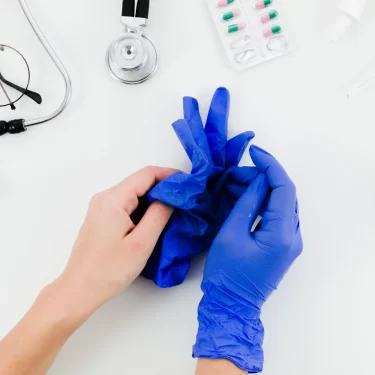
x=143, y=8
x=128, y=8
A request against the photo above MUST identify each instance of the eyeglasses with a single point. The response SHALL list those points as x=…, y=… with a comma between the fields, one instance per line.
x=14, y=78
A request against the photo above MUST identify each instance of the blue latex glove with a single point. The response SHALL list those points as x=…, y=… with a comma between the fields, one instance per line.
x=204, y=198
x=243, y=268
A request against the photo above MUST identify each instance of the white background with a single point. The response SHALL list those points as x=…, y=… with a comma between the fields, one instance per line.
x=321, y=321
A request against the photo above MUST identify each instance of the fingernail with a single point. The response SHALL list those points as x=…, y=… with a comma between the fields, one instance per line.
x=258, y=149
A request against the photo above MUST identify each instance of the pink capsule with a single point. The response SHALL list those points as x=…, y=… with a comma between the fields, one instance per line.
x=269, y=16
x=276, y=29
x=236, y=27
x=261, y=4
x=231, y=14
x=224, y=3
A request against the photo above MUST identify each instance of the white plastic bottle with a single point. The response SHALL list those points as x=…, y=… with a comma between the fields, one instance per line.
x=350, y=12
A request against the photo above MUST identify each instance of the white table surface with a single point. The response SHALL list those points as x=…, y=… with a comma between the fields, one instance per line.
x=321, y=320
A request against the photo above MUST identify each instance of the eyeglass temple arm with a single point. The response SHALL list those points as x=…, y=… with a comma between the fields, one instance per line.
x=31, y=94
x=12, y=106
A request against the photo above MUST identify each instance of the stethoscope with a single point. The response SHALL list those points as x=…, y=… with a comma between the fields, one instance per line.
x=21, y=125
x=132, y=58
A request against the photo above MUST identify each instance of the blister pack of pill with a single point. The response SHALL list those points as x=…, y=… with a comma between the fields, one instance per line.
x=252, y=31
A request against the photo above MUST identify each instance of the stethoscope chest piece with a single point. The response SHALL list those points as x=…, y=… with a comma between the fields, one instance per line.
x=132, y=58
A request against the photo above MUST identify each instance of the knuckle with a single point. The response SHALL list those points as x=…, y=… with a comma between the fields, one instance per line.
x=299, y=247
x=98, y=198
x=101, y=200
x=299, y=250
x=149, y=169
x=286, y=241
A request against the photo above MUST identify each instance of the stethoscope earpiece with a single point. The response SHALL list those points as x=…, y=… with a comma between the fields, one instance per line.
x=132, y=58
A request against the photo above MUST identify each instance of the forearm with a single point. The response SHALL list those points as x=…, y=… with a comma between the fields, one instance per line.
x=108, y=255
x=31, y=347
x=217, y=367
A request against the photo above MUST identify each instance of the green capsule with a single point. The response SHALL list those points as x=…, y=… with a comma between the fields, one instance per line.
x=269, y=16
x=232, y=14
x=261, y=4
x=224, y=3
x=272, y=30
x=236, y=27
x=276, y=29
x=273, y=14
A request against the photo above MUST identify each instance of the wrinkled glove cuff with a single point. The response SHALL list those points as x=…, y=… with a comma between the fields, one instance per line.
x=224, y=334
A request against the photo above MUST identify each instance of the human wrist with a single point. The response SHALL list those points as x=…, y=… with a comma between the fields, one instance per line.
x=65, y=304
x=232, y=334
x=217, y=367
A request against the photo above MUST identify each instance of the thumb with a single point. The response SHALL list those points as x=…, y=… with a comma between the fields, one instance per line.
x=147, y=232
x=249, y=205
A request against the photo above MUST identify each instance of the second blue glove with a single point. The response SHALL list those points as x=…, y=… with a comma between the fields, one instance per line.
x=204, y=198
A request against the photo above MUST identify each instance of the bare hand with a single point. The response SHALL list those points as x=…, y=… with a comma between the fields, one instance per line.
x=110, y=251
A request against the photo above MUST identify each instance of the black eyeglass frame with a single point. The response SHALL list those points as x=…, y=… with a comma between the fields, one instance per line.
x=28, y=71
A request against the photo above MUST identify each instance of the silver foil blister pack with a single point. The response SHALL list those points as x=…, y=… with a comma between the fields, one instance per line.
x=251, y=31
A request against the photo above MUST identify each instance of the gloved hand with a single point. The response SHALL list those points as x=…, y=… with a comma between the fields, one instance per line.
x=244, y=267
x=204, y=198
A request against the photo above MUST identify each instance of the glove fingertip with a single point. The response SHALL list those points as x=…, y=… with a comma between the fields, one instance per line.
x=222, y=91
x=261, y=158
x=221, y=98
x=250, y=134
x=236, y=147
x=189, y=98
x=190, y=105
x=182, y=129
x=179, y=123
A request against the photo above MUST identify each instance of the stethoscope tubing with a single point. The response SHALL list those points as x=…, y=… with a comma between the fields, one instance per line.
x=142, y=11
x=134, y=17
x=56, y=61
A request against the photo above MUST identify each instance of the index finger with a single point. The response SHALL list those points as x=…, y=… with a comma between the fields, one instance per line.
x=139, y=184
x=283, y=198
